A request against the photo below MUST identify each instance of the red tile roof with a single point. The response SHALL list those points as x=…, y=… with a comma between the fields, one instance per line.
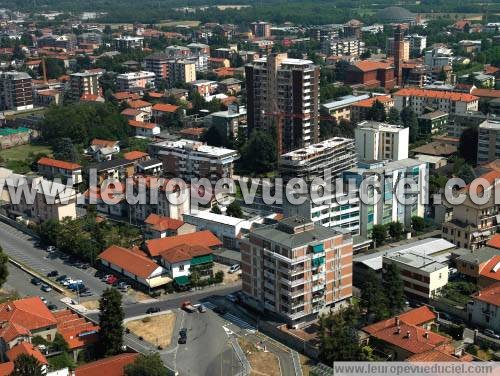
x=138, y=104
x=31, y=313
x=490, y=177
x=486, y=93
x=123, y=95
x=76, y=330
x=112, y=366
x=438, y=94
x=130, y=112
x=439, y=354
x=494, y=241
x=6, y=368
x=58, y=164
x=490, y=294
x=141, y=124
x=134, y=155
x=192, y=131
x=184, y=252
x=91, y=98
x=12, y=330
x=369, y=102
x=161, y=223
x=130, y=261
x=28, y=349
x=416, y=316
x=103, y=143
x=370, y=65
x=205, y=238
x=163, y=107
x=492, y=269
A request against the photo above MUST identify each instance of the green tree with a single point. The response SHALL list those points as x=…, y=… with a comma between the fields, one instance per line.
x=393, y=116
x=216, y=209
x=393, y=289
x=466, y=173
x=410, y=120
x=418, y=224
x=61, y=361
x=373, y=298
x=18, y=53
x=259, y=153
x=338, y=337
x=27, y=365
x=48, y=231
x=379, y=234
x=146, y=365
x=111, y=322
x=213, y=137
x=234, y=210
x=377, y=112
x=4, y=263
x=327, y=128
x=396, y=230
x=63, y=149
x=53, y=67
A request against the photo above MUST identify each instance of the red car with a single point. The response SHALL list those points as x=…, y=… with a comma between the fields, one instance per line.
x=111, y=279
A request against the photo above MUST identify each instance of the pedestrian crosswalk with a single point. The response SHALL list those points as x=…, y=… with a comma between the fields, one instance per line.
x=237, y=321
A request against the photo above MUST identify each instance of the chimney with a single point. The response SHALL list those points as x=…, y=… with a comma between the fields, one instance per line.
x=408, y=334
x=396, y=319
x=398, y=331
x=426, y=335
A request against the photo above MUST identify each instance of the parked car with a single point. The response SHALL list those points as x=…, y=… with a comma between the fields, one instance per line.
x=491, y=333
x=46, y=288
x=182, y=336
x=61, y=278
x=111, y=279
x=53, y=273
x=231, y=298
x=152, y=310
x=202, y=308
x=234, y=268
x=85, y=266
x=51, y=307
x=182, y=340
x=98, y=274
x=43, y=299
x=51, y=248
x=86, y=293
x=36, y=281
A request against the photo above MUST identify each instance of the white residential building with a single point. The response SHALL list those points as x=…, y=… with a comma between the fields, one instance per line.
x=484, y=308
x=423, y=276
x=420, y=99
x=142, y=79
x=488, y=143
x=381, y=141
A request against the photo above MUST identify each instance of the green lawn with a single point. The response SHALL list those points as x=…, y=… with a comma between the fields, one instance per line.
x=23, y=152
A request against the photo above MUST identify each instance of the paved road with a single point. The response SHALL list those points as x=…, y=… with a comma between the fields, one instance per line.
x=19, y=281
x=20, y=246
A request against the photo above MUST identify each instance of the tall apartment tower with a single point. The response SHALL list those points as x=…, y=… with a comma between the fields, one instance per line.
x=16, y=91
x=261, y=29
x=158, y=64
x=85, y=83
x=296, y=269
x=284, y=93
x=398, y=54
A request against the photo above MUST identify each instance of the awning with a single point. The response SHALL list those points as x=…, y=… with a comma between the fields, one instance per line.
x=183, y=280
x=202, y=260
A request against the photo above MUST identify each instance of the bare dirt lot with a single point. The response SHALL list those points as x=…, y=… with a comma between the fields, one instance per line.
x=156, y=330
x=263, y=363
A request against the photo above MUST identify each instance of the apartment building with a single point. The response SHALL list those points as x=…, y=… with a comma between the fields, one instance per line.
x=438, y=57
x=284, y=93
x=460, y=122
x=16, y=91
x=423, y=276
x=261, y=29
x=418, y=43
x=127, y=42
x=361, y=109
x=484, y=308
x=333, y=156
x=383, y=206
x=381, y=141
x=85, y=83
x=341, y=108
x=342, y=46
x=296, y=269
x=371, y=73
x=189, y=159
x=488, y=143
x=158, y=64
x=53, y=168
x=473, y=225
x=132, y=80
x=200, y=53
x=421, y=99
x=180, y=71
x=405, y=50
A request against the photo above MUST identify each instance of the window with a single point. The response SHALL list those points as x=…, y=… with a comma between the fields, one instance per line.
x=181, y=267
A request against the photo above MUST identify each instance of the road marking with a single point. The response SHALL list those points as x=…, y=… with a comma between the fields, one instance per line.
x=239, y=322
x=209, y=305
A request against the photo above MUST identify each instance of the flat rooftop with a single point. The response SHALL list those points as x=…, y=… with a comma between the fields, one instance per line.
x=417, y=260
x=197, y=146
x=315, y=149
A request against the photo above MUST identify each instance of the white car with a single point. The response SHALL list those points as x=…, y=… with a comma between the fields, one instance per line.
x=234, y=268
x=43, y=300
x=46, y=288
